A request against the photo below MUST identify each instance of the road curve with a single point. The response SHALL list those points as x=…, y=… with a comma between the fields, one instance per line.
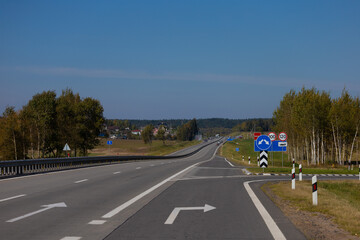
x=198, y=197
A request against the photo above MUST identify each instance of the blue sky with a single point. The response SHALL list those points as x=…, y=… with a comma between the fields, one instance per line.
x=178, y=59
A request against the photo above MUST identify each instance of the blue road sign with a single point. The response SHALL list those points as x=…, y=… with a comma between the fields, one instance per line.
x=109, y=142
x=276, y=146
x=237, y=149
x=263, y=142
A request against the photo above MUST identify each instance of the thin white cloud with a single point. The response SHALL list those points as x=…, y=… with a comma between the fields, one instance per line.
x=141, y=75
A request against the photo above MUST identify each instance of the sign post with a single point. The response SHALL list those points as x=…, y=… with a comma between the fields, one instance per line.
x=109, y=143
x=272, y=137
x=282, y=137
x=66, y=149
x=263, y=159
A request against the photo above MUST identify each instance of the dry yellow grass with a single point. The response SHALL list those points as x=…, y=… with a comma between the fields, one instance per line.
x=338, y=199
x=138, y=147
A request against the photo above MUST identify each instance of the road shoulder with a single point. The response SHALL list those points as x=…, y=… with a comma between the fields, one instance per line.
x=313, y=226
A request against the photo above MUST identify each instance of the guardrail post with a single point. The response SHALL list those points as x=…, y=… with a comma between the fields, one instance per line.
x=314, y=191
x=293, y=178
x=300, y=172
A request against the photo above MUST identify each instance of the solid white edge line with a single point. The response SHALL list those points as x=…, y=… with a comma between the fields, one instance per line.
x=229, y=162
x=80, y=181
x=143, y=194
x=10, y=198
x=270, y=223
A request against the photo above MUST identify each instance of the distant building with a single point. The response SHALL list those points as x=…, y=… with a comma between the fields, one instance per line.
x=136, y=132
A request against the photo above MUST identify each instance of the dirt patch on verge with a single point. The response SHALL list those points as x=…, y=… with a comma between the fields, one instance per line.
x=313, y=225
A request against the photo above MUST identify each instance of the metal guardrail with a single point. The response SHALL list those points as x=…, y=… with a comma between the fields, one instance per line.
x=32, y=166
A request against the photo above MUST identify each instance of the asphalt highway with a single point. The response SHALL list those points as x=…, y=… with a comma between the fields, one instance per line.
x=198, y=197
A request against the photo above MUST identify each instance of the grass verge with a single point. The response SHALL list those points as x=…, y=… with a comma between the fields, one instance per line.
x=278, y=162
x=138, y=147
x=338, y=199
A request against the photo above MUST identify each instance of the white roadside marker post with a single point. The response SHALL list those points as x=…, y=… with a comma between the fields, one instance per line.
x=293, y=162
x=293, y=178
x=314, y=189
x=243, y=158
x=300, y=172
x=249, y=159
x=258, y=161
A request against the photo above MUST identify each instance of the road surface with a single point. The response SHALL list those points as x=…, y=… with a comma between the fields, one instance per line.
x=198, y=197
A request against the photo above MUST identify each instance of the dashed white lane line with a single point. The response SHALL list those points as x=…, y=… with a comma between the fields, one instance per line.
x=270, y=223
x=80, y=181
x=229, y=162
x=11, y=198
x=116, y=172
x=141, y=195
x=97, y=222
x=152, y=165
x=138, y=168
x=71, y=238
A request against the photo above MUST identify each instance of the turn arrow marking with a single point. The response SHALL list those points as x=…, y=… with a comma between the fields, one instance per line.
x=176, y=212
x=45, y=207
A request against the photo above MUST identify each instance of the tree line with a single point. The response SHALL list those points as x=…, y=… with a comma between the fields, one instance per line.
x=43, y=126
x=320, y=129
x=187, y=131
x=202, y=123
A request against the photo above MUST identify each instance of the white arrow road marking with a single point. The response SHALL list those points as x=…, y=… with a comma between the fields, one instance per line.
x=143, y=194
x=45, y=207
x=10, y=198
x=176, y=211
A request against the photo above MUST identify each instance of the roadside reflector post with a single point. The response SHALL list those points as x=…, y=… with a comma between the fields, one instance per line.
x=300, y=172
x=243, y=158
x=258, y=161
x=293, y=178
x=293, y=162
x=249, y=159
x=314, y=191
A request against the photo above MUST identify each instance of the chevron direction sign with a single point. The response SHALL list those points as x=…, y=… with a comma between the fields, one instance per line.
x=263, y=159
